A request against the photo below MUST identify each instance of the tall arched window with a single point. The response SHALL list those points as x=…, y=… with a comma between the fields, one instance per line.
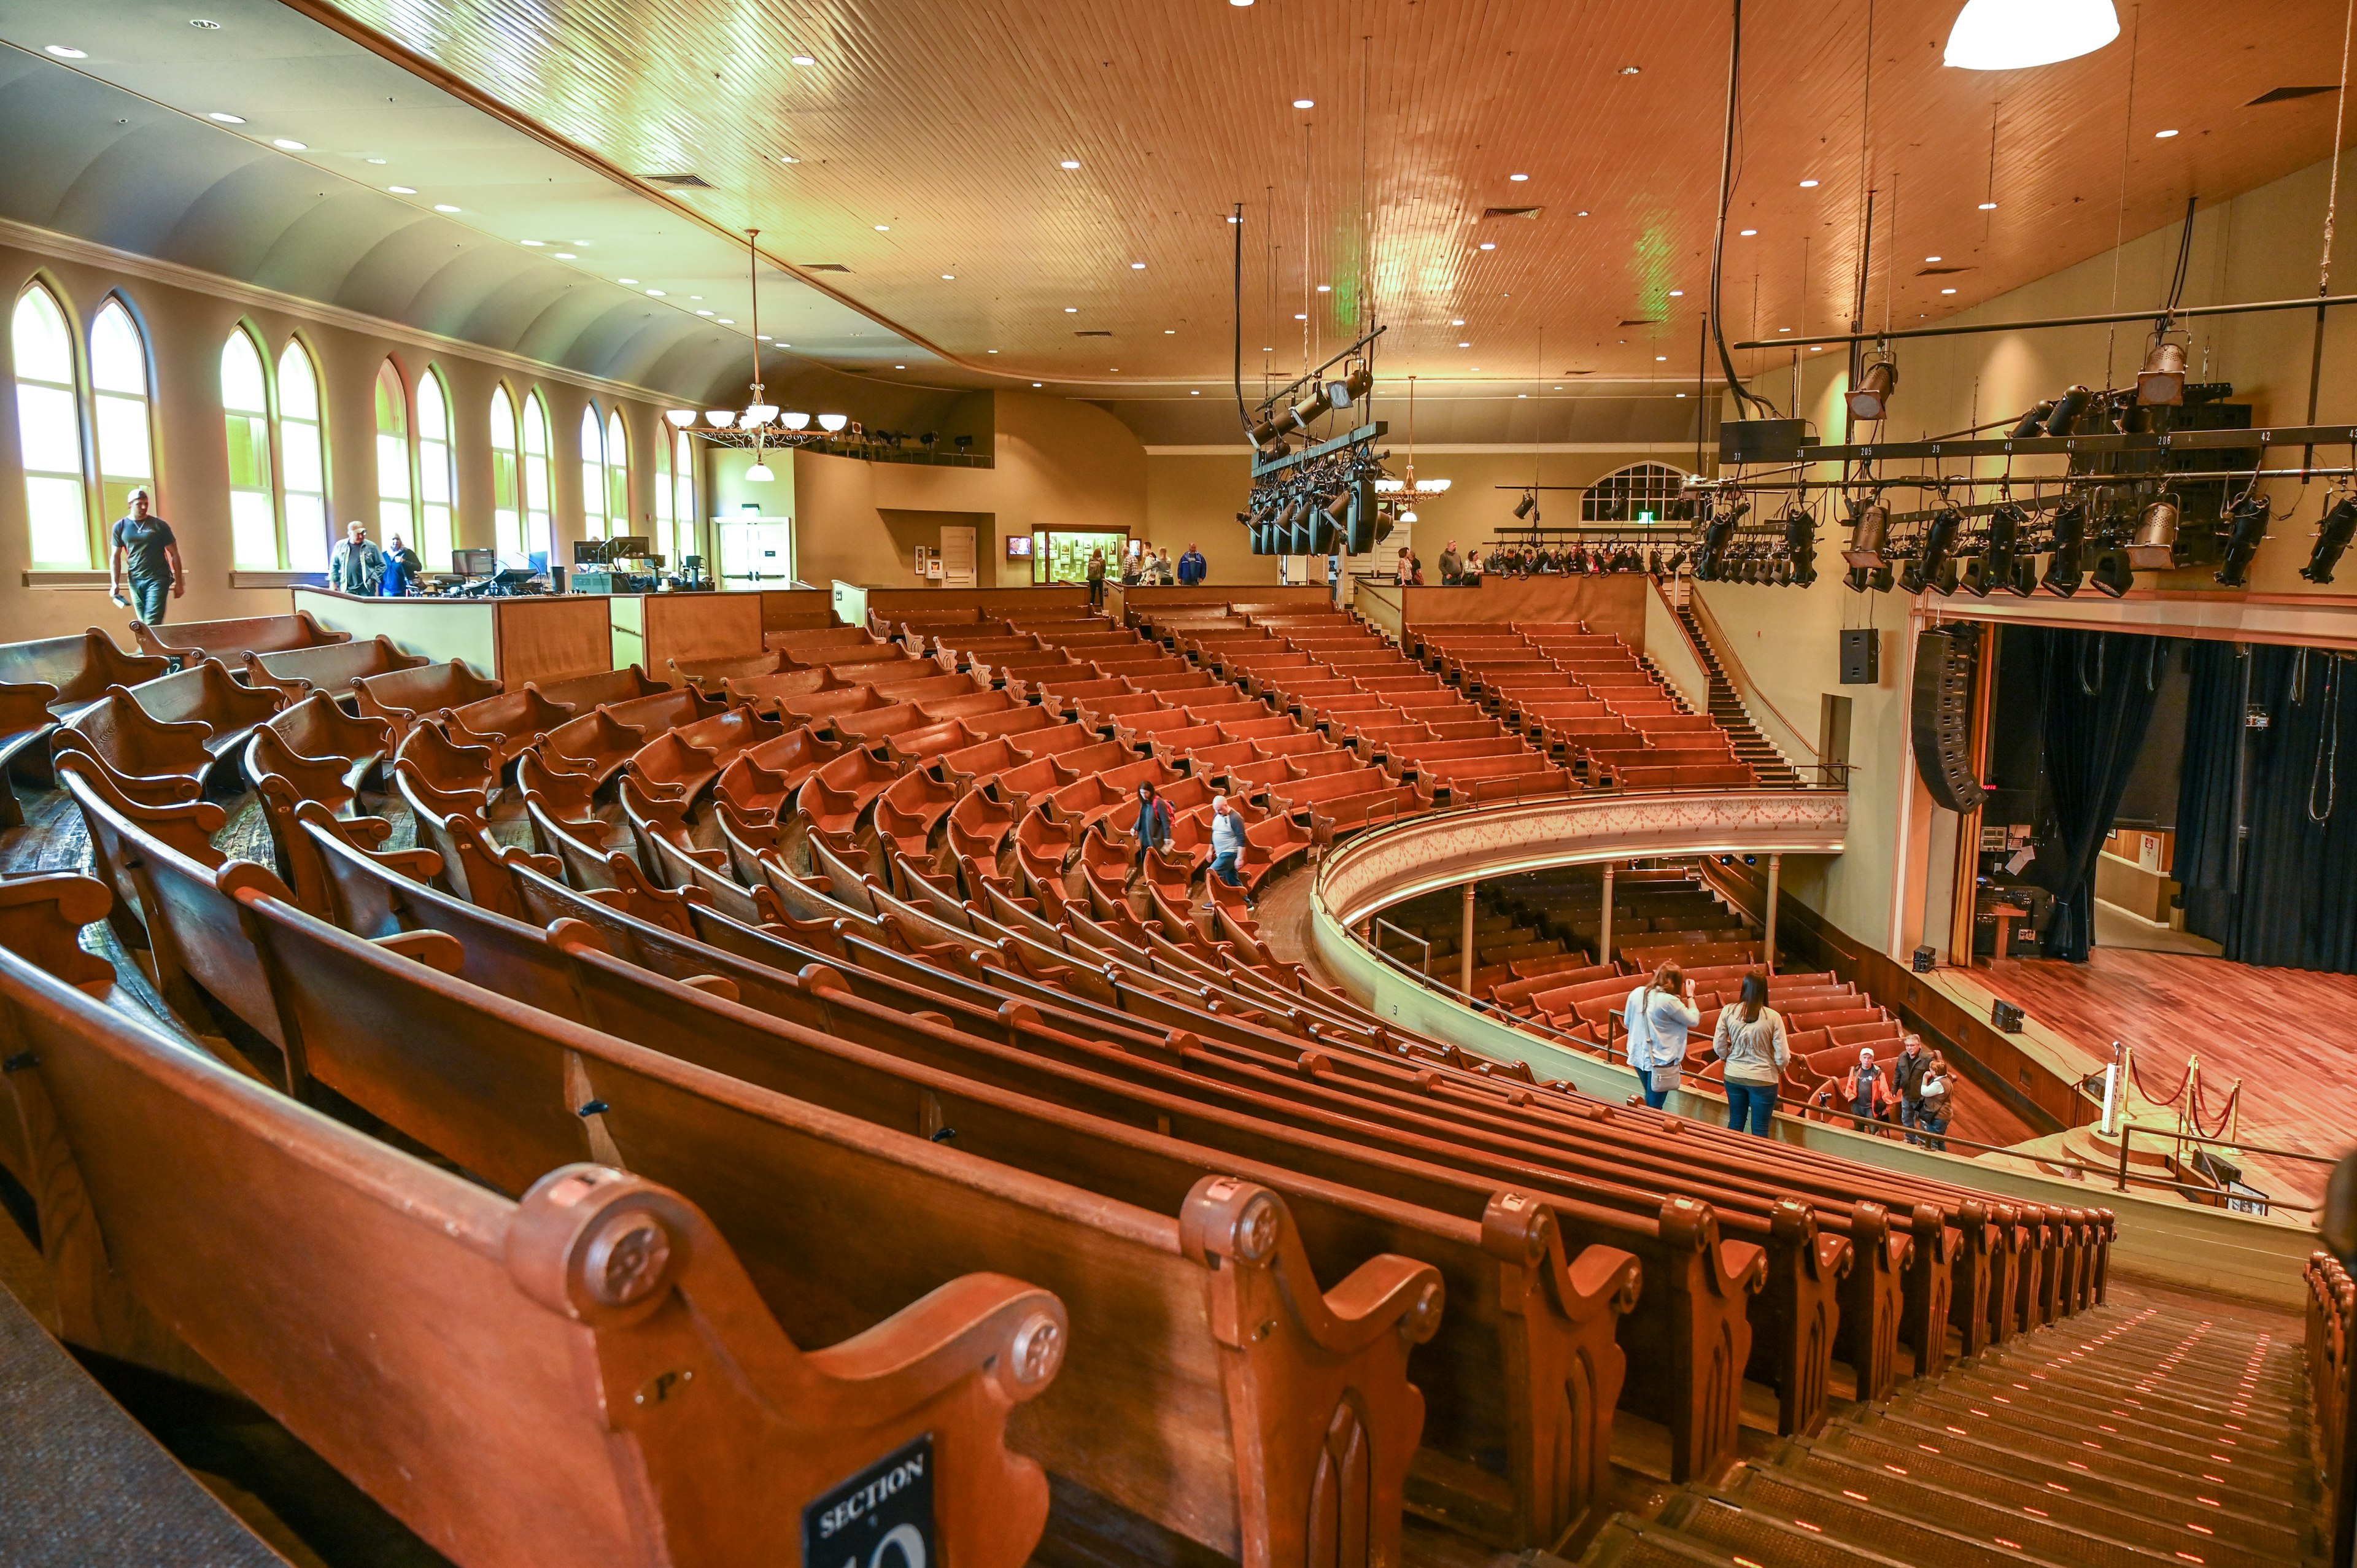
x=435, y=476
x=538, y=536
x=593, y=473
x=245, y=421
x=48, y=431
x=506, y=478
x=118, y=379
x=302, y=460
x=396, y=507
x=617, y=477
x=663, y=501
x=684, y=531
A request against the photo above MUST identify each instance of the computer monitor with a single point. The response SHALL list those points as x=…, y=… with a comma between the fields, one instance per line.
x=474, y=562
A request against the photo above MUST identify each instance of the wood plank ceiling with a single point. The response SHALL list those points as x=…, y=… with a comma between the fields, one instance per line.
x=925, y=148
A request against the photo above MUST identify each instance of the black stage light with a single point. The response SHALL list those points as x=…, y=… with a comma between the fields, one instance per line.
x=2332, y=536
x=2063, y=570
x=2067, y=410
x=2246, y=521
x=2113, y=572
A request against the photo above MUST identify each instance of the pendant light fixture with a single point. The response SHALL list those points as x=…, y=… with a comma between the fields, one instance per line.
x=2012, y=35
x=757, y=425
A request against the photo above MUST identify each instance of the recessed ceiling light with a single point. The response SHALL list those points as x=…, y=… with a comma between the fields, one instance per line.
x=1137, y=266
x=1070, y=162
x=805, y=59
x=1747, y=233
x=1628, y=70
x=1988, y=206
x=2163, y=136
x=1947, y=291
x=226, y=119
x=1518, y=177
x=535, y=244
x=403, y=189
x=1930, y=258
x=1677, y=294
x=1808, y=185
x=883, y=228
x=66, y=51
x=1305, y=104
x=654, y=294
x=704, y=313
x=444, y=207
x=563, y=255
x=286, y=142
x=208, y=24
x=632, y=282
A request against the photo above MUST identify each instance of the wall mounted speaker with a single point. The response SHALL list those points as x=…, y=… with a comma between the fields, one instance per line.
x=1861, y=656
x=1944, y=662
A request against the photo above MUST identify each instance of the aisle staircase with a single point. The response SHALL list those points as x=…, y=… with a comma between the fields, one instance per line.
x=1727, y=710
x=2153, y=1431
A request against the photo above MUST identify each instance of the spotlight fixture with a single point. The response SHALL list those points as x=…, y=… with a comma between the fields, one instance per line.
x=2332, y=537
x=2161, y=383
x=2063, y=573
x=2010, y=35
x=1869, y=533
x=2246, y=521
x=1871, y=397
x=2153, y=546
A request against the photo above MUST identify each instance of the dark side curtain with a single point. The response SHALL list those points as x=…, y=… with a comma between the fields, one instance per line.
x=2290, y=899
x=2099, y=688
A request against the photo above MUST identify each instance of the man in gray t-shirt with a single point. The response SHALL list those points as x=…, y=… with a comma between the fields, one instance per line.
x=145, y=550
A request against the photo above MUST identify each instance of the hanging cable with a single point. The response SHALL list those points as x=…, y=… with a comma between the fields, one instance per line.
x=1744, y=397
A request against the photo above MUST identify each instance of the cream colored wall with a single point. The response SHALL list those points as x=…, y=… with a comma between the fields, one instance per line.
x=1061, y=463
x=2262, y=245
x=185, y=328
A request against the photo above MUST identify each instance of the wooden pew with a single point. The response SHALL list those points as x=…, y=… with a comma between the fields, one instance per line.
x=585, y=1374
x=329, y=667
x=1209, y=1377
x=233, y=639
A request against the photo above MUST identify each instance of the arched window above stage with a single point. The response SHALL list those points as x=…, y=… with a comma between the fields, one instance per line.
x=1642, y=492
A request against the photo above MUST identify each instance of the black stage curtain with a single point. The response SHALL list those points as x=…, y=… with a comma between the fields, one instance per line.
x=2290, y=901
x=2099, y=688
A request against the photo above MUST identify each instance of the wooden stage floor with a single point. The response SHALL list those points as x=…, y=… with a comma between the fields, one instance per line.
x=2289, y=1034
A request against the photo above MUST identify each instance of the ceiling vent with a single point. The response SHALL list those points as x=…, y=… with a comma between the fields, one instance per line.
x=2286, y=94
x=682, y=181
x=822, y=267
x=1489, y=212
x=1092, y=332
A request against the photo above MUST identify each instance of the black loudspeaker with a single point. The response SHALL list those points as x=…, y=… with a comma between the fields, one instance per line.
x=2006, y=1016
x=1943, y=719
x=1861, y=657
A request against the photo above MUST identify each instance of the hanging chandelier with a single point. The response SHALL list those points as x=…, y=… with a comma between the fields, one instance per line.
x=759, y=424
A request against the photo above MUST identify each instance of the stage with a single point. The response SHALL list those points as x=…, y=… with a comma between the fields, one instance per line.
x=2289, y=1035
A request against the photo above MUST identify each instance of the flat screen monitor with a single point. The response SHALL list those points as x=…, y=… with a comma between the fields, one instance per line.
x=474, y=562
